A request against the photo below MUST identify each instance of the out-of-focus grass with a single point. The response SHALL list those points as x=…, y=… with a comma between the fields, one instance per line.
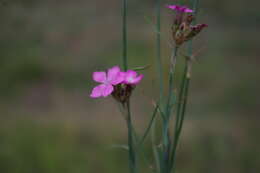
x=28, y=147
x=33, y=147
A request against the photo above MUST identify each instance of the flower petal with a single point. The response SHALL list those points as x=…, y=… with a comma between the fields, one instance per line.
x=187, y=10
x=130, y=75
x=107, y=90
x=112, y=73
x=102, y=90
x=118, y=79
x=97, y=91
x=173, y=7
x=99, y=77
x=137, y=79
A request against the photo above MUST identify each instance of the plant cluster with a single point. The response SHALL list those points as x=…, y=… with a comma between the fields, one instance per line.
x=120, y=84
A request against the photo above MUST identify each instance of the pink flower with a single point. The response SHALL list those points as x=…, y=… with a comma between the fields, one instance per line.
x=113, y=77
x=131, y=77
x=180, y=9
x=119, y=84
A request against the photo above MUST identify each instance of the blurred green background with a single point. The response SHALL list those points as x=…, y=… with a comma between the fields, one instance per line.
x=49, y=49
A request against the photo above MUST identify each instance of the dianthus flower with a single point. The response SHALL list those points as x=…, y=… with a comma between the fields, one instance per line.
x=116, y=82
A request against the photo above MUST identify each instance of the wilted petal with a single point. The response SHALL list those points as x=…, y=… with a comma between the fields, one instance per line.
x=99, y=77
x=180, y=9
x=107, y=90
x=97, y=91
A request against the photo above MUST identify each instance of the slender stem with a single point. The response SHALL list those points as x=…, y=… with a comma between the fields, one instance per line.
x=166, y=133
x=131, y=144
x=158, y=47
x=170, y=95
x=155, y=149
x=149, y=125
x=132, y=156
x=180, y=97
x=183, y=110
x=187, y=71
x=172, y=70
x=183, y=97
x=179, y=118
x=195, y=4
x=124, y=36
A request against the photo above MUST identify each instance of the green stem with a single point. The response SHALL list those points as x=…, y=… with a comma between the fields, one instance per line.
x=166, y=133
x=150, y=125
x=155, y=149
x=179, y=117
x=131, y=144
x=171, y=76
x=183, y=97
x=158, y=47
x=195, y=4
x=183, y=110
x=180, y=97
x=124, y=36
x=166, y=139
